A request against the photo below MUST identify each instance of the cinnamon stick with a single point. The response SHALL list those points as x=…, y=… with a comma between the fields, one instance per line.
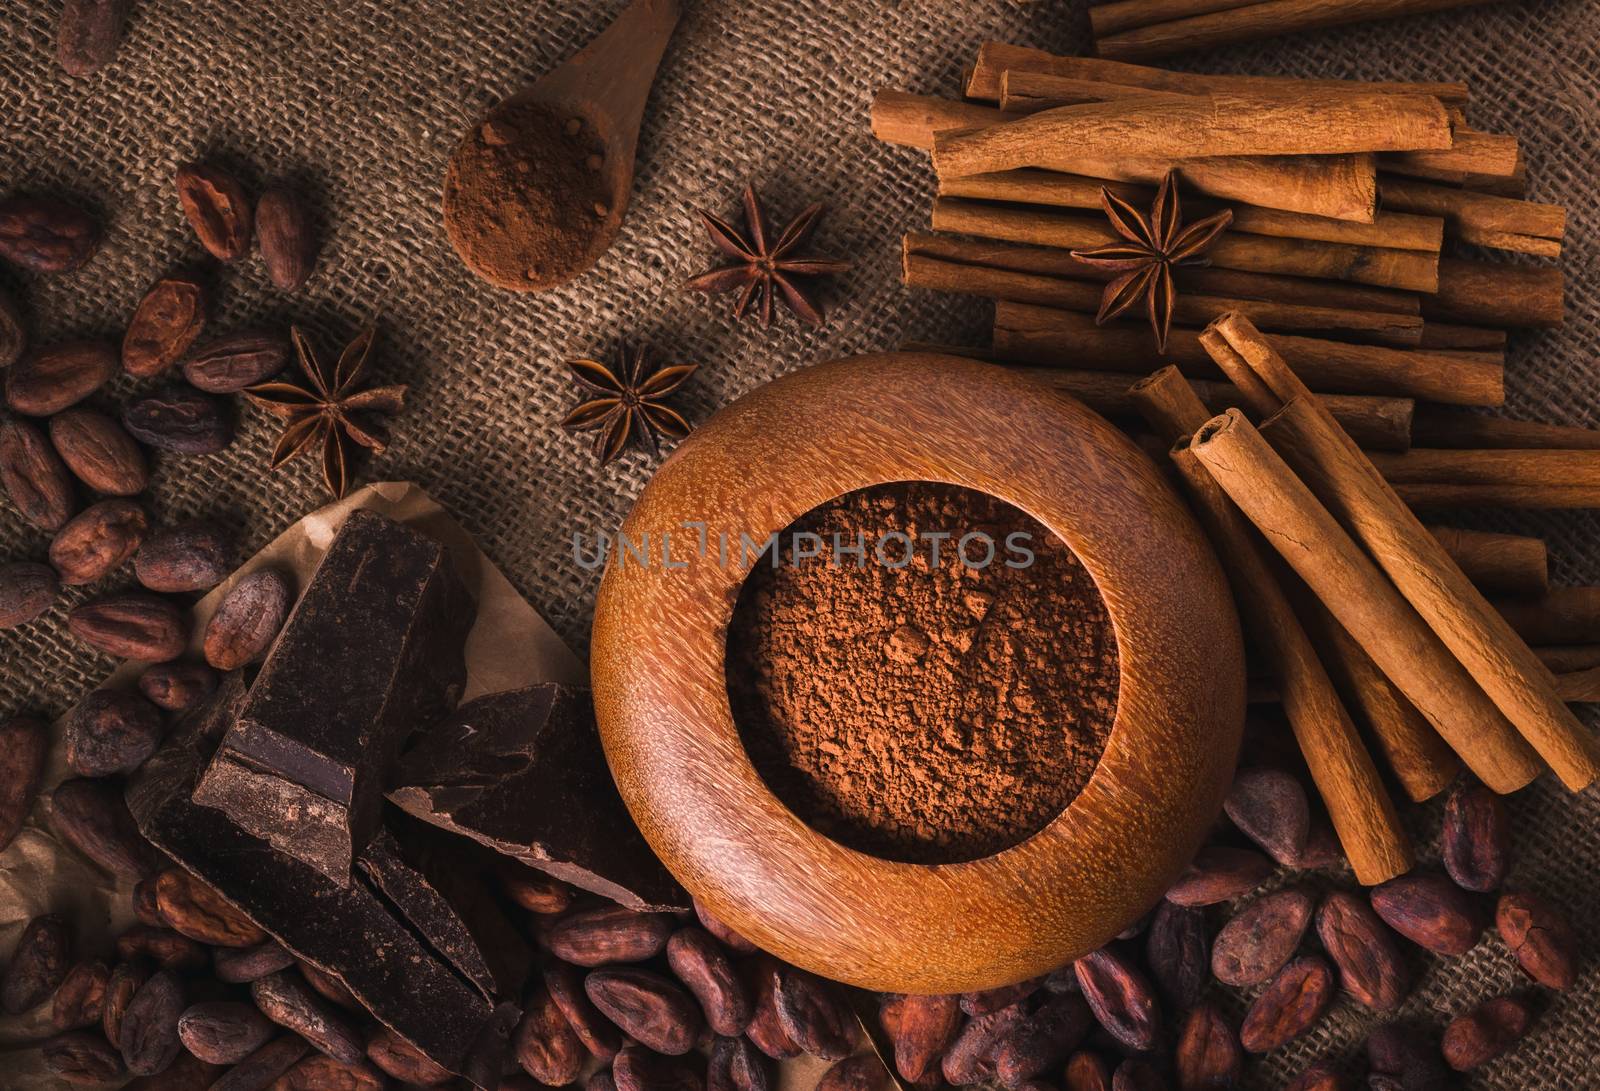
x=1441, y=427
x=899, y=117
x=1389, y=230
x=1447, y=336
x=1501, y=564
x=1024, y=333
x=1210, y=125
x=1542, y=468
x=1582, y=687
x=1413, y=270
x=1484, y=293
x=1359, y=806
x=1568, y=658
x=1108, y=19
x=1474, y=153
x=1262, y=20
x=1363, y=600
x=1481, y=218
x=1565, y=615
x=922, y=271
x=1427, y=497
x=994, y=58
x=1343, y=478
x=1028, y=92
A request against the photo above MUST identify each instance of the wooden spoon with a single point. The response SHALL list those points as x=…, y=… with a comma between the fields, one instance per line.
x=536, y=191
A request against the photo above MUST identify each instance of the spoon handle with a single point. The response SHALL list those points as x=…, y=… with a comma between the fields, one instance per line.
x=614, y=72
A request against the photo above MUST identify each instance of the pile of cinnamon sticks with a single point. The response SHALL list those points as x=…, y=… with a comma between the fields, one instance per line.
x=1331, y=314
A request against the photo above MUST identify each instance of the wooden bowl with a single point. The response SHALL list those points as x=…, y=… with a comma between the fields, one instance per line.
x=662, y=701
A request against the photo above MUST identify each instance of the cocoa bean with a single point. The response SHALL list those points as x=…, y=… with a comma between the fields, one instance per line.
x=188, y=1073
x=131, y=626
x=237, y=966
x=194, y=909
x=34, y=476
x=707, y=971
x=321, y=1073
x=1261, y=937
x=83, y=1057
x=737, y=1065
x=1290, y=1005
x=145, y=908
x=1220, y=873
x=166, y=322
x=1087, y=1072
x=1208, y=1054
x=149, y=1039
x=217, y=208
x=288, y=245
x=1485, y=1032
x=766, y=1029
x=13, y=331
x=178, y=686
x=1371, y=968
x=601, y=937
x=1475, y=841
x=192, y=556
x=1043, y=1041
x=1136, y=1075
x=534, y=890
x=397, y=1057
x=546, y=1046
x=1121, y=998
x=180, y=421
x=1431, y=911
x=266, y=1064
x=600, y=1079
x=637, y=1069
x=565, y=985
x=1406, y=1055
x=328, y=987
x=126, y=979
x=98, y=541
x=1177, y=950
x=166, y=948
x=1323, y=851
x=227, y=365
x=93, y=818
x=863, y=1072
x=652, y=1010
x=24, y=744
x=921, y=1028
x=111, y=731
x=1541, y=938
x=730, y=939
x=1319, y=1077
x=224, y=1031
x=1270, y=807
x=38, y=964
x=46, y=235
x=981, y=1003
x=27, y=590
x=58, y=377
x=99, y=452
x=81, y=997
x=248, y=619
x=88, y=34
x=813, y=1015
x=286, y=999
x=970, y=1058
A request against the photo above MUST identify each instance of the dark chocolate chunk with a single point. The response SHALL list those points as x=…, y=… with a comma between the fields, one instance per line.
x=523, y=773
x=451, y=907
x=372, y=652
x=347, y=931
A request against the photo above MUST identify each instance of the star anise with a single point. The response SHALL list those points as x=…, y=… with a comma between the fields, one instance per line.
x=1156, y=245
x=762, y=270
x=328, y=409
x=631, y=406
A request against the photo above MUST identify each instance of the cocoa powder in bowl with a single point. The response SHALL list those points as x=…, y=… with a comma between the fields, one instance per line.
x=934, y=711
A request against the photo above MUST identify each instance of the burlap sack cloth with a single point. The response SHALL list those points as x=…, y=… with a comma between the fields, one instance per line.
x=360, y=103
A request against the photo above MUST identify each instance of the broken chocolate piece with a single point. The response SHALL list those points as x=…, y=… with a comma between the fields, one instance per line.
x=372, y=652
x=450, y=907
x=523, y=773
x=348, y=932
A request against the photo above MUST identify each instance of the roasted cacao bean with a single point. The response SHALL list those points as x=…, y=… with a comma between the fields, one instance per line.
x=248, y=619
x=1220, y=873
x=1431, y=911
x=188, y=1073
x=609, y=935
x=1043, y=1041
x=1289, y=1006
x=565, y=985
x=167, y=321
x=99, y=452
x=1134, y=1074
x=1121, y=998
x=1541, y=938
x=93, y=818
x=1371, y=968
x=111, y=731
x=405, y=1062
x=970, y=1058
x=126, y=979
x=81, y=997
x=732, y=940
x=192, y=556
x=328, y=987
x=1270, y=807
x=88, y=34
x=652, y=1010
x=180, y=421
x=921, y=1028
x=13, y=331
x=217, y=208
x=27, y=590
x=1087, y=1071
x=45, y=235
x=241, y=965
x=145, y=908
x=546, y=1046
x=321, y=1073
x=287, y=1000
x=1177, y=950
x=178, y=686
x=1319, y=1077
x=35, y=478
x=534, y=890
x=38, y=965
x=813, y=1015
x=58, y=377
x=83, y=1057
x=265, y=1065
x=1261, y=937
x=1408, y=1056
x=229, y=364
x=98, y=541
x=131, y=626
x=166, y=948
x=637, y=1069
x=707, y=971
x=981, y=1003
x=193, y=909
x=863, y=1072
x=149, y=1040
x=766, y=1029
x=1485, y=1032
x=737, y=1065
x=1475, y=841
x=288, y=244
x=24, y=744
x=1209, y=1057
x=600, y=1079
x=224, y=1031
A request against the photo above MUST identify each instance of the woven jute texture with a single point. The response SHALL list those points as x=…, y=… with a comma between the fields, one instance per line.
x=360, y=102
